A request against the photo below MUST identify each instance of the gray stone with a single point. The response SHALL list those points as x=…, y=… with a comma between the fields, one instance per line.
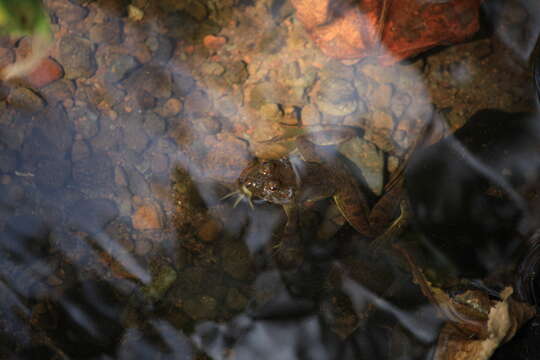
x=56, y=126
x=363, y=85
x=86, y=121
x=77, y=57
x=5, y=117
x=310, y=115
x=161, y=48
x=123, y=201
x=80, y=150
x=380, y=129
x=11, y=195
x=337, y=97
x=145, y=100
x=153, y=79
x=336, y=69
x=59, y=90
x=134, y=137
x=25, y=100
x=94, y=173
x=107, y=138
x=107, y=33
x=67, y=12
x=136, y=182
x=400, y=103
x=12, y=137
x=197, y=103
x=92, y=215
x=381, y=97
x=154, y=124
x=226, y=106
x=183, y=83
x=37, y=147
x=369, y=159
x=52, y=174
x=8, y=160
x=236, y=73
x=158, y=159
x=207, y=125
x=119, y=66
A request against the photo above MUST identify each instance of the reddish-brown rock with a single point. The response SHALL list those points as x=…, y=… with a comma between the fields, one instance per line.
x=45, y=73
x=391, y=30
x=146, y=217
x=214, y=42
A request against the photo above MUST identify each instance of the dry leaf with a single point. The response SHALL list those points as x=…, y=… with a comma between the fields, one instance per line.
x=476, y=325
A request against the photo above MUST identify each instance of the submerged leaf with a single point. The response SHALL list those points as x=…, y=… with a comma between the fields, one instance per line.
x=476, y=325
x=505, y=318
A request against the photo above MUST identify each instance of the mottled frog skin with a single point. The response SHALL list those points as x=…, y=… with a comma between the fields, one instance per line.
x=319, y=173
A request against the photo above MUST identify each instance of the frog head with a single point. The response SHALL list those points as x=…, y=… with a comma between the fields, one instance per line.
x=270, y=180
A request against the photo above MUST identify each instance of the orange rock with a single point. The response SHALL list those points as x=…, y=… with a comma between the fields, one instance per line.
x=45, y=73
x=146, y=217
x=214, y=42
x=390, y=30
x=171, y=107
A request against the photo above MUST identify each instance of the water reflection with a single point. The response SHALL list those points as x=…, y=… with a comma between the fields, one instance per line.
x=116, y=243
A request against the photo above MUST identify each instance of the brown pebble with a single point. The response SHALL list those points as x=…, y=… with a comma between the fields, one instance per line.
x=210, y=230
x=214, y=42
x=171, y=107
x=143, y=246
x=146, y=217
x=46, y=72
x=392, y=164
x=54, y=280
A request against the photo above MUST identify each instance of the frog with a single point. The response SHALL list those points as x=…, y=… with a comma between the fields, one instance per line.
x=317, y=173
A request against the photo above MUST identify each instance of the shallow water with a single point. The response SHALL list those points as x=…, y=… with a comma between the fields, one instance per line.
x=116, y=241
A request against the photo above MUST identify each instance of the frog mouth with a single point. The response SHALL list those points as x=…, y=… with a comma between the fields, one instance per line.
x=242, y=194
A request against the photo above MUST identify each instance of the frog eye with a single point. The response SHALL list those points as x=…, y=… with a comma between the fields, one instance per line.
x=272, y=185
x=266, y=168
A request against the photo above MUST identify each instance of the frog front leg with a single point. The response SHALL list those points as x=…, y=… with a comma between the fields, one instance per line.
x=342, y=184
